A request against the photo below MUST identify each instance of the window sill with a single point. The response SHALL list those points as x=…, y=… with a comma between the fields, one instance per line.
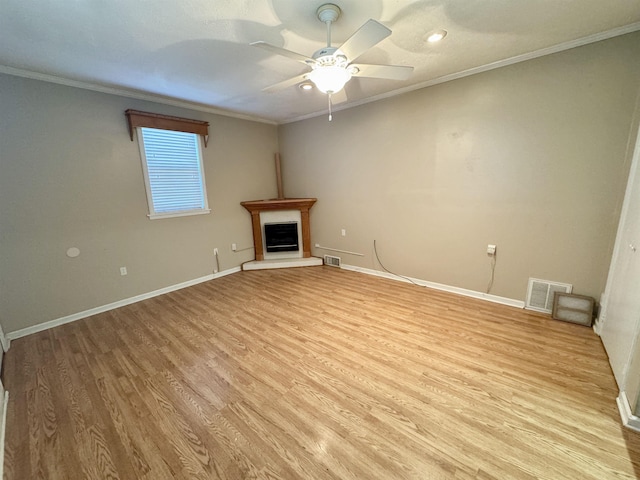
x=185, y=213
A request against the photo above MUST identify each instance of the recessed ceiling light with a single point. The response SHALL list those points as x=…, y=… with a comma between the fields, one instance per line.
x=436, y=36
x=306, y=86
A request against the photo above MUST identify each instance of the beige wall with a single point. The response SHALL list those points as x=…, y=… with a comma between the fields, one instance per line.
x=530, y=157
x=71, y=177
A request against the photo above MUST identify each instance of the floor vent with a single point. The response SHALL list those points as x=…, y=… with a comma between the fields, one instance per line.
x=540, y=294
x=332, y=261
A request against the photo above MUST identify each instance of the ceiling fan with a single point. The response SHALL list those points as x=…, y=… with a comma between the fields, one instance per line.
x=332, y=67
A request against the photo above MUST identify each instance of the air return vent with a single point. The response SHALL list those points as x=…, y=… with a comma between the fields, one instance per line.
x=331, y=260
x=540, y=294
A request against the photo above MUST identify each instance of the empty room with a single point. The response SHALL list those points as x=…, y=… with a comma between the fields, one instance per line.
x=274, y=239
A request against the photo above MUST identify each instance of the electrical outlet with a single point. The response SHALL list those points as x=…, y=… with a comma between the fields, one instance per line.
x=215, y=251
x=123, y=271
x=343, y=232
x=491, y=250
x=234, y=247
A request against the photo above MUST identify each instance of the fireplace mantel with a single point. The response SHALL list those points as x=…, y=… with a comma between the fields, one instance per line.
x=302, y=204
x=279, y=204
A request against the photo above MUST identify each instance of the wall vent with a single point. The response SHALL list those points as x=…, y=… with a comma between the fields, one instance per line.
x=332, y=261
x=540, y=294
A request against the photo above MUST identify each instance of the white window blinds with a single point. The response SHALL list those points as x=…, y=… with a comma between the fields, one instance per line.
x=174, y=176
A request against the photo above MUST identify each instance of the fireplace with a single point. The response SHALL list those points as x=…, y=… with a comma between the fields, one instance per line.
x=281, y=233
x=281, y=237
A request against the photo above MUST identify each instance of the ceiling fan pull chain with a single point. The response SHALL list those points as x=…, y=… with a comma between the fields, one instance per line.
x=330, y=116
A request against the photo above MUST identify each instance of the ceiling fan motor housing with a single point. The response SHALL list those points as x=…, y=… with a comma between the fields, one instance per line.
x=330, y=56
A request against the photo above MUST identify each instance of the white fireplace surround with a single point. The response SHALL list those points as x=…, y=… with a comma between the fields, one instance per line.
x=281, y=216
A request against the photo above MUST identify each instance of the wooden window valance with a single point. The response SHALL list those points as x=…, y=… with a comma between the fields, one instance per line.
x=136, y=118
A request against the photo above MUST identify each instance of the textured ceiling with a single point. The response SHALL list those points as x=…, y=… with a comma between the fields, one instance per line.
x=198, y=51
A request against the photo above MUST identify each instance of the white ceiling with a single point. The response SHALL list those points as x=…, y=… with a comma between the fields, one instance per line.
x=198, y=51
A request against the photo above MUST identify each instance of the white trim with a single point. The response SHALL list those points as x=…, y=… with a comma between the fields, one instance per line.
x=596, y=37
x=6, y=343
x=185, y=213
x=629, y=420
x=123, y=92
x=3, y=428
x=111, y=306
x=619, y=241
x=602, y=306
x=438, y=286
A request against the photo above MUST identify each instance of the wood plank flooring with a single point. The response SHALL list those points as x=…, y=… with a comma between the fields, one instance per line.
x=314, y=373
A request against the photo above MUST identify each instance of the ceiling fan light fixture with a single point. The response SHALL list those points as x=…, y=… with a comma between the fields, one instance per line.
x=329, y=79
x=306, y=86
x=436, y=36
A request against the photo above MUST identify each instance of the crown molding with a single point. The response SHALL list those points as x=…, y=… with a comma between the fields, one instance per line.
x=122, y=92
x=561, y=47
x=596, y=37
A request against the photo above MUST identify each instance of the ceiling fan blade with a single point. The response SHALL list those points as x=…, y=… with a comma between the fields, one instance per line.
x=391, y=72
x=281, y=51
x=367, y=36
x=286, y=83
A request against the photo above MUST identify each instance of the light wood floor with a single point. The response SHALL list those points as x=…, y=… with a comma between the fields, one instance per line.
x=314, y=373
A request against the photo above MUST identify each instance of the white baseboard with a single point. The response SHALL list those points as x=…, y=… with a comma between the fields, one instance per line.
x=120, y=303
x=597, y=328
x=3, y=427
x=629, y=420
x=4, y=341
x=438, y=286
x=128, y=301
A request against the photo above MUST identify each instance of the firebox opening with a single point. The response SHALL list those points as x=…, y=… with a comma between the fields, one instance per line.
x=281, y=237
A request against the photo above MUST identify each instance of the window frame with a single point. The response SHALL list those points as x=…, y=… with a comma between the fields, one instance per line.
x=153, y=214
x=136, y=120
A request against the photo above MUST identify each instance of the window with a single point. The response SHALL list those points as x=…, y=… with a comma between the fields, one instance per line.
x=172, y=163
x=171, y=152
